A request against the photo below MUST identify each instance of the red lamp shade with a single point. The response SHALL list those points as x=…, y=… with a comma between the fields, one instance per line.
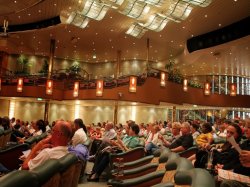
x=99, y=87
x=132, y=84
x=207, y=89
x=185, y=85
x=20, y=85
x=76, y=89
x=233, y=89
x=163, y=79
x=49, y=87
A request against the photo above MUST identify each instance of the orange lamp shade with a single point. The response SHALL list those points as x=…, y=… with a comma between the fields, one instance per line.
x=233, y=89
x=163, y=79
x=49, y=87
x=76, y=89
x=99, y=87
x=20, y=85
x=132, y=84
x=185, y=85
x=207, y=89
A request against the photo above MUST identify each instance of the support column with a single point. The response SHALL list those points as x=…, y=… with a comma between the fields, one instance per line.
x=115, y=112
x=51, y=57
x=147, y=64
x=46, y=110
x=118, y=63
x=51, y=62
x=174, y=114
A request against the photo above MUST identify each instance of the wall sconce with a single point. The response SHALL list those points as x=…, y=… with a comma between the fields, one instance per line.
x=163, y=79
x=49, y=87
x=19, y=84
x=207, y=89
x=185, y=85
x=99, y=87
x=132, y=84
x=76, y=89
x=233, y=89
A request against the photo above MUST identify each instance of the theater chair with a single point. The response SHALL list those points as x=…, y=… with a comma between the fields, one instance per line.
x=192, y=178
x=19, y=178
x=165, y=176
x=189, y=152
x=9, y=156
x=1, y=137
x=70, y=170
x=147, y=168
x=35, y=139
x=48, y=173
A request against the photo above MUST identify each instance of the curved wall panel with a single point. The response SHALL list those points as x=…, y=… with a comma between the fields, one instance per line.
x=150, y=92
x=232, y=32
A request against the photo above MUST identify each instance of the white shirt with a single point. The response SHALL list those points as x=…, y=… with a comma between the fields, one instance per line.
x=79, y=137
x=48, y=153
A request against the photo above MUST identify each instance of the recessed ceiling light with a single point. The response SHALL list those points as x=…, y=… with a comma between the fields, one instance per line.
x=39, y=11
x=19, y=17
x=111, y=30
x=110, y=17
x=134, y=43
x=70, y=7
x=183, y=27
x=172, y=41
x=192, y=35
x=205, y=16
x=160, y=35
x=29, y=14
x=219, y=24
x=15, y=1
x=96, y=33
x=54, y=4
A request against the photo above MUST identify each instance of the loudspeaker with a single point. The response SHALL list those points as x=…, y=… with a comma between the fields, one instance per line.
x=35, y=25
x=232, y=32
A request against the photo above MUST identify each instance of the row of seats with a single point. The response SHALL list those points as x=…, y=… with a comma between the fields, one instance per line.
x=63, y=172
x=9, y=155
x=4, y=137
x=169, y=169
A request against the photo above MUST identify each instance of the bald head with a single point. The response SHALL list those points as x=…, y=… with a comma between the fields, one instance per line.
x=61, y=133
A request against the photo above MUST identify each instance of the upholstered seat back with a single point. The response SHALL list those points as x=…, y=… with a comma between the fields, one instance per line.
x=19, y=179
x=195, y=177
x=48, y=173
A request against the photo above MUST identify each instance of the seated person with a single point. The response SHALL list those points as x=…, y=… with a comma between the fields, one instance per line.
x=194, y=130
x=182, y=143
x=244, y=166
x=175, y=133
x=153, y=141
x=80, y=135
x=205, y=139
x=54, y=146
x=102, y=160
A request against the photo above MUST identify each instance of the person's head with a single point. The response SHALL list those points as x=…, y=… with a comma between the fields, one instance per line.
x=194, y=127
x=133, y=130
x=176, y=127
x=235, y=131
x=61, y=133
x=79, y=124
x=40, y=125
x=185, y=128
x=109, y=126
x=156, y=128
x=13, y=120
x=206, y=128
x=6, y=122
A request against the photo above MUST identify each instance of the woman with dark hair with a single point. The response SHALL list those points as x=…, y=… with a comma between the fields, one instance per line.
x=39, y=127
x=80, y=135
x=227, y=157
x=6, y=122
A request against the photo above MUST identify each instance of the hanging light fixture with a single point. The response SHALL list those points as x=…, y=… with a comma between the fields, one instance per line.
x=99, y=87
x=49, y=87
x=185, y=85
x=135, y=9
x=76, y=89
x=19, y=84
x=201, y=3
x=233, y=89
x=0, y=84
x=163, y=79
x=136, y=30
x=132, y=84
x=207, y=89
x=156, y=22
